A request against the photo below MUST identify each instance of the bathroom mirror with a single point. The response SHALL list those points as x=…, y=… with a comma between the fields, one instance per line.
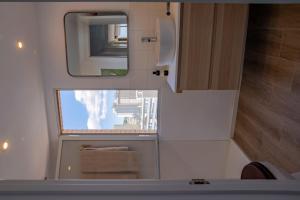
x=96, y=43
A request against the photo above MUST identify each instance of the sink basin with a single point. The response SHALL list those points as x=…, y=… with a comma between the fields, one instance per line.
x=166, y=40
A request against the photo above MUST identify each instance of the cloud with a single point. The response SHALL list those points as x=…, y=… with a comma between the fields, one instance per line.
x=95, y=103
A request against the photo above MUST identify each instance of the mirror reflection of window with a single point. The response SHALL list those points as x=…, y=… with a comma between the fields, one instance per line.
x=108, y=40
x=119, y=39
x=98, y=39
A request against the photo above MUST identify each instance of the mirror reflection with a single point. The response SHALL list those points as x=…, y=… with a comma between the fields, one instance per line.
x=96, y=43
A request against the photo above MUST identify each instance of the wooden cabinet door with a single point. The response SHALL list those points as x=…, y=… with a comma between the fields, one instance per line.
x=228, y=46
x=196, y=35
x=212, y=43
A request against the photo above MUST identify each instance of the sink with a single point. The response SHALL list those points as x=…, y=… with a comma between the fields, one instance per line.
x=166, y=40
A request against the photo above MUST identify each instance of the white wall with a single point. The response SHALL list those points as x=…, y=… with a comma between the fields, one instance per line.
x=209, y=159
x=235, y=162
x=188, y=116
x=22, y=109
x=194, y=133
x=53, y=55
x=196, y=115
x=187, y=159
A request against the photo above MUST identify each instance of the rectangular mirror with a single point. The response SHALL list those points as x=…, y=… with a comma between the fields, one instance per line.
x=96, y=43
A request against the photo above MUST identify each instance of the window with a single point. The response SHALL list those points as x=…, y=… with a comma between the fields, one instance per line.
x=107, y=111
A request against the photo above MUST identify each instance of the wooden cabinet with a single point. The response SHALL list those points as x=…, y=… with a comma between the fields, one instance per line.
x=196, y=45
x=211, y=47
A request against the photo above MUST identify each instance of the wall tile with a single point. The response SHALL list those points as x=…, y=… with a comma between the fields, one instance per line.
x=270, y=94
x=270, y=70
x=264, y=41
x=139, y=59
x=156, y=82
x=289, y=16
x=136, y=6
x=136, y=40
x=143, y=21
x=121, y=82
x=291, y=45
x=143, y=16
x=152, y=59
x=138, y=79
x=282, y=75
x=264, y=16
x=296, y=81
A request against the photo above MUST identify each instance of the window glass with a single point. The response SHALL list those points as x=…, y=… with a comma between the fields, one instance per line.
x=108, y=111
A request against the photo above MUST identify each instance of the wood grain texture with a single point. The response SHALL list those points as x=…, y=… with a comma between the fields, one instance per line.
x=290, y=48
x=212, y=43
x=268, y=16
x=264, y=41
x=268, y=118
x=228, y=46
x=196, y=42
x=261, y=17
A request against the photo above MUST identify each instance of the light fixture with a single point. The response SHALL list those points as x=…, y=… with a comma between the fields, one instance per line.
x=20, y=44
x=4, y=145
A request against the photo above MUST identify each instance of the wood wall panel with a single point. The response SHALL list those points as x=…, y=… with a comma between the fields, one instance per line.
x=290, y=48
x=296, y=83
x=288, y=16
x=197, y=22
x=228, y=46
x=268, y=118
x=212, y=43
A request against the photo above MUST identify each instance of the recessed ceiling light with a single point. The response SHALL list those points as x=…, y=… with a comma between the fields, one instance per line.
x=5, y=145
x=20, y=44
